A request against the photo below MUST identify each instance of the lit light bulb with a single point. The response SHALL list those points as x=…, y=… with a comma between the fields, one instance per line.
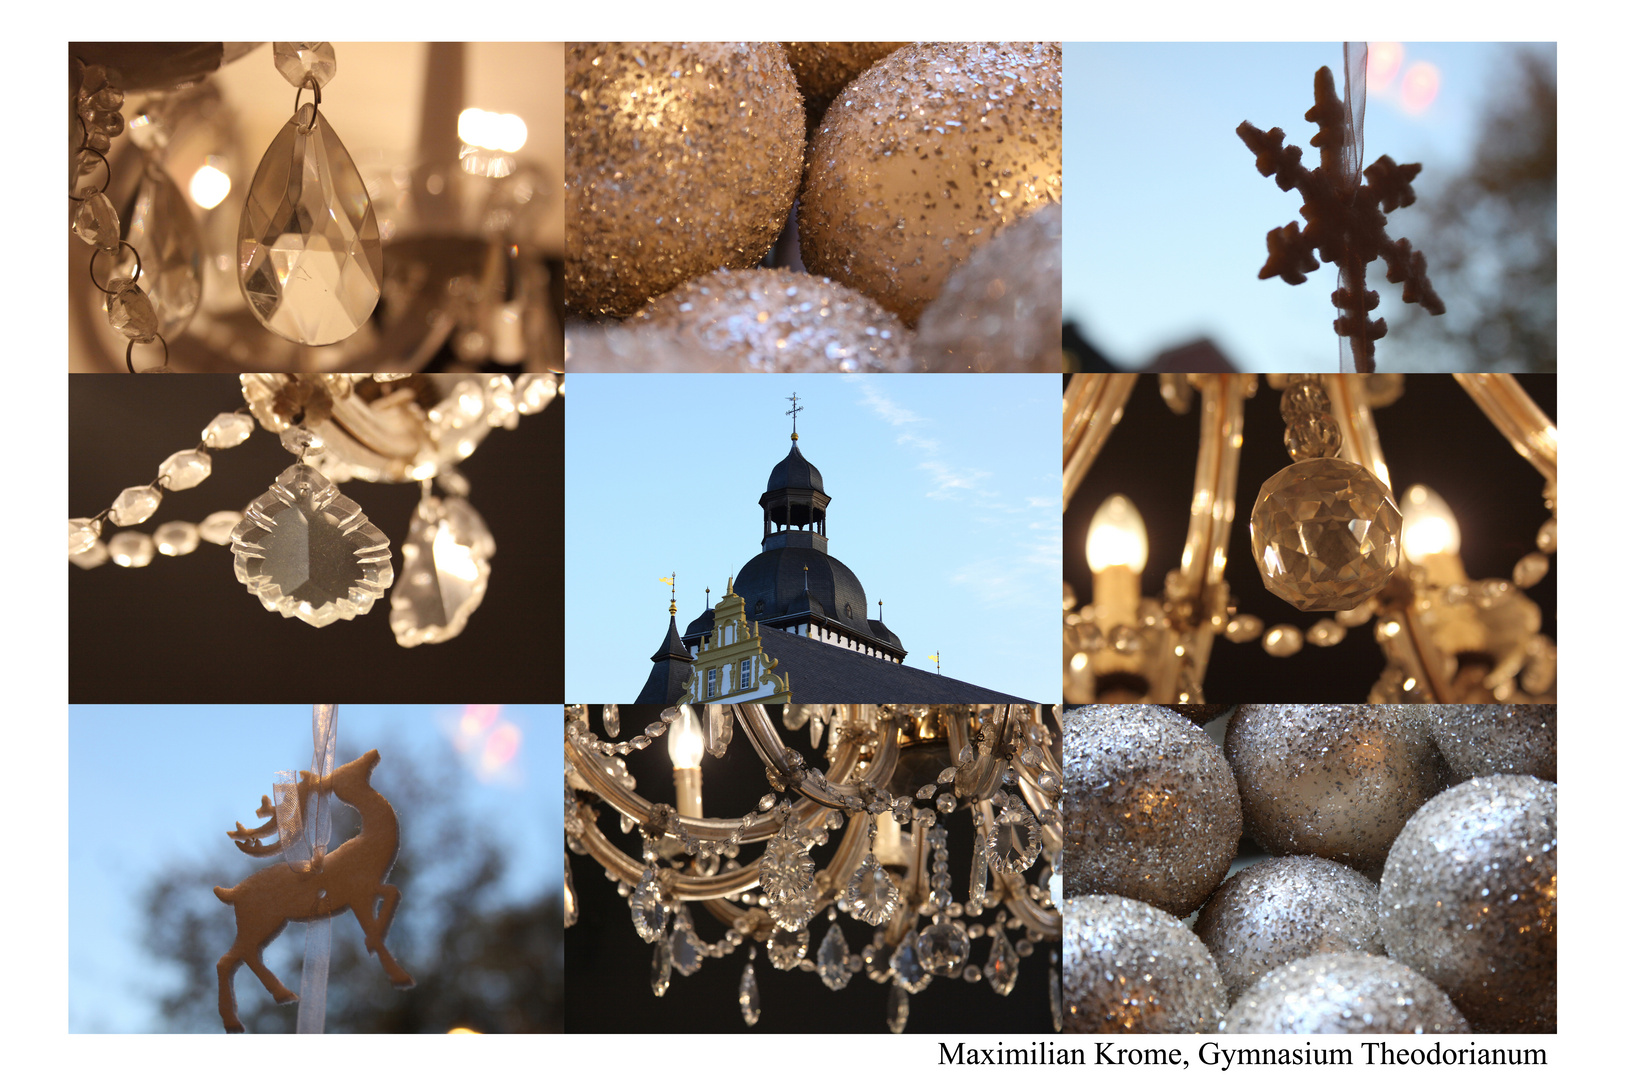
x=209, y=185
x=1428, y=525
x=685, y=744
x=1116, y=537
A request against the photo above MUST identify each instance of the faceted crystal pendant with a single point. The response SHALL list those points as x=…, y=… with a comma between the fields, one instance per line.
x=786, y=947
x=217, y=527
x=871, y=894
x=786, y=874
x=898, y=1009
x=1326, y=534
x=306, y=551
x=158, y=223
x=131, y=549
x=185, y=469
x=228, y=429
x=444, y=569
x=649, y=912
x=661, y=968
x=908, y=970
x=1014, y=839
x=719, y=727
x=611, y=716
x=685, y=946
x=750, y=1008
x=82, y=535
x=134, y=505
x=942, y=948
x=832, y=960
x=300, y=61
x=176, y=538
x=309, y=259
x=1002, y=967
x=96, y=222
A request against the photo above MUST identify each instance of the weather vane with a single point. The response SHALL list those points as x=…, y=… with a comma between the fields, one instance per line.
x=672, y=604
x=792, y=412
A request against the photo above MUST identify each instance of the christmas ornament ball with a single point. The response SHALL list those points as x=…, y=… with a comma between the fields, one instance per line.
x=680, y=157
x=1468, y=900
x=1130, y=969
x=775, y=320
x=1337, y=781
x=1279, y=910
x=823, y=68
x=1485, y=740
x=1002, y=309
x=924, y=158
x=1150, y=809
x=1344, y=994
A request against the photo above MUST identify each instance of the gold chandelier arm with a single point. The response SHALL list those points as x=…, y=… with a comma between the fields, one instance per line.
x=684, y=886
x=1092, y=406
x=1048, y=922
x=754, y=720
x=1359, y=439
x=1514, y=413
x=1215, y=485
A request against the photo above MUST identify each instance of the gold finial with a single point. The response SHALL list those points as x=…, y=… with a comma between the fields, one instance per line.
x=709, y=596
x=672, y=605
x=792, y=412
x=730, y=588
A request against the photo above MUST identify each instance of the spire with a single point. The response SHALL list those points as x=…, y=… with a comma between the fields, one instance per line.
x=792, y=412
x=672, y=605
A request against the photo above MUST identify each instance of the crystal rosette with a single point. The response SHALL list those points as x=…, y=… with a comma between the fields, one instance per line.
x=1326, y=534
x=445, y=565
x=307, y=552
x=309, y=257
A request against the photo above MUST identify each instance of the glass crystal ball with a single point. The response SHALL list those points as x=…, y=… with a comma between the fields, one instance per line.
x=1326, y=534
x=1279, y=910
x=1150, y=808
x=1339, y=781
x=1344, y=994
x=1131, y=969
x=1468, y=900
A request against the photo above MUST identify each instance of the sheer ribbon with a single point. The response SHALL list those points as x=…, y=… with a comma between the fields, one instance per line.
x=305, y=824
x=1350, y=178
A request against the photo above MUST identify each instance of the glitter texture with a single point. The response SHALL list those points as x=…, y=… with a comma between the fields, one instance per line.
x=1287, y=909
x=1344, y=994
x=1150, y=809
x=823, y=68
x=679, y=158
x=1484, y=740
x=775, y=320
x=1002, y=310
x=1129, y=968
x=1338, y=781
x=925, y=157
x=1468, y=899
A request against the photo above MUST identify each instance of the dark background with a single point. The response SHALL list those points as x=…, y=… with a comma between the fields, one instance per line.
x=607, y=964
x=184, y=629
x=1433, y=435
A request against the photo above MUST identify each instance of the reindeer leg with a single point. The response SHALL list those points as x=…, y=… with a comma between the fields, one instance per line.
x=280, y=993
x=226, y=967
x=375, y=925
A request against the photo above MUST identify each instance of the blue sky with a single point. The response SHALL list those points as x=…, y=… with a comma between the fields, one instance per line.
x=1166, y=217
x=945, y=502
x=154, y=785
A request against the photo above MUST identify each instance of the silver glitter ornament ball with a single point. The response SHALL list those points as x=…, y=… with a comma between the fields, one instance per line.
x=1150, y=810
x=1131, y=969
x=680, y=157
x=1337, y=781
x=1485, y=740
x=1001, y=310
x=1468, y=899
x=775, y=320
x=1344, y=994
x=925, y=157
x=823, y=68
x=1286, y=909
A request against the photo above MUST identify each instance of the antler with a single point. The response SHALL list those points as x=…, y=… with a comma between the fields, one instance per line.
x=248, y=840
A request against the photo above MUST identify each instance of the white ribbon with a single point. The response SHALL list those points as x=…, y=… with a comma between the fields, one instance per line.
x=305, y=830
x=1356, y=105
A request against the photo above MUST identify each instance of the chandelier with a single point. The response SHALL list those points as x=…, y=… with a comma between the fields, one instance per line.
x=881, y=846
x=391, y=225
x=1330, y=537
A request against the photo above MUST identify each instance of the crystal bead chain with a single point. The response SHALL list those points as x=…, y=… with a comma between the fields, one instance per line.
x=134, y=505
x=96, y=222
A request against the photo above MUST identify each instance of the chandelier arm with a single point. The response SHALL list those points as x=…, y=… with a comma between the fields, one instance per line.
x=1215, y=486
x=1514, y=413
x=1418, y=651
x=766, y=741
x=986, y=777
x=880, y=770
x=683, y=886
x=1048, y=922
x=1092, y=406
x=1359, y=439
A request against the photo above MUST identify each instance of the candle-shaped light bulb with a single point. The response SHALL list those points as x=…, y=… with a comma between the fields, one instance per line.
x=685, y=744
x=1430, y=536
x=1116, y=537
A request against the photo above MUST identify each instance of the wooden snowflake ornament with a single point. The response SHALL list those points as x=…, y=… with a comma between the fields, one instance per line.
x=352, y=876
x=1345, y=218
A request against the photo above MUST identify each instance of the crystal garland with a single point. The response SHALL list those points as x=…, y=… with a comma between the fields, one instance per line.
x=999, y=766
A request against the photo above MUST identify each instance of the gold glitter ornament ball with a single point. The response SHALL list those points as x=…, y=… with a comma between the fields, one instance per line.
x=1150, y=809
x=1131, y=969
x=926, y=157
x=1001, y=310
x=823, y=68
x=1468, y=900
x=1278, y=910
x=1485, y=740
x=1344, y=994
x=775, y=320
x=679, y=158
x=1337, y=781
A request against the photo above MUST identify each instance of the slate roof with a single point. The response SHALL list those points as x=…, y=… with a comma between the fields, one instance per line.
x=820, y=672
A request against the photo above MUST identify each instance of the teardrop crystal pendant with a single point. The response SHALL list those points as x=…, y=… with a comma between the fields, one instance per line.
x=309, y=259
x=832, y=962
x=1001, y=970
x=750, y=1008
x=159, y=224
x=444, y=569
x=648, y=910
x=871, y=894
x=307, y=552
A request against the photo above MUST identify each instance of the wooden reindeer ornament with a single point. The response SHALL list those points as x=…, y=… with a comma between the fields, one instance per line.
x=352, y=876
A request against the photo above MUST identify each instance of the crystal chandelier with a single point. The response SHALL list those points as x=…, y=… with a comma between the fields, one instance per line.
x=1328, y=536
x=837, y=869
